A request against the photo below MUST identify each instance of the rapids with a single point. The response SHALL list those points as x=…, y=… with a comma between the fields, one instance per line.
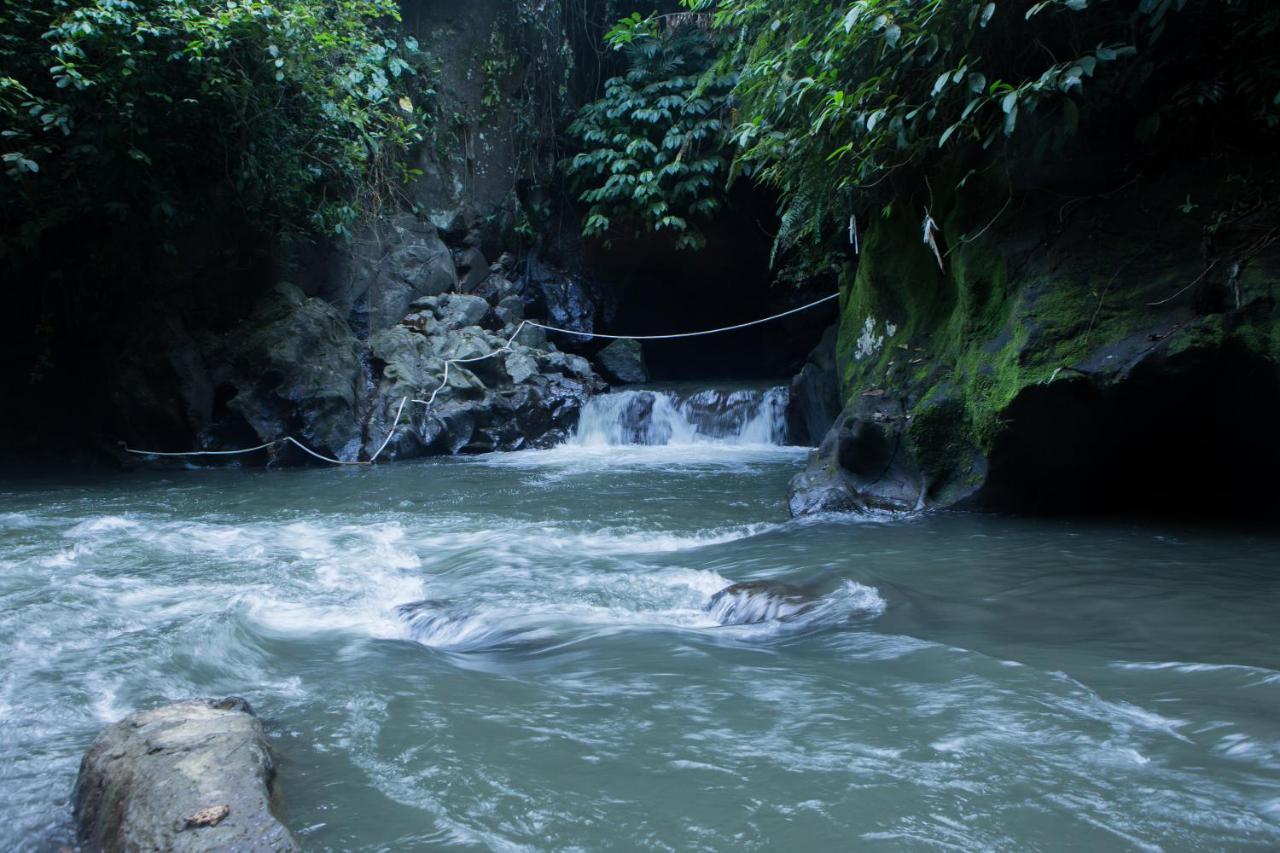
x=521, y=651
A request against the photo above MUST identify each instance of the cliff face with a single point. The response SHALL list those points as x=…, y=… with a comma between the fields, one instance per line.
x=224, y=356
x=1064, y=352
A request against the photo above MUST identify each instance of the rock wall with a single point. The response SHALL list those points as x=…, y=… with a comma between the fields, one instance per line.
x=1069, y=353
x=327, y=356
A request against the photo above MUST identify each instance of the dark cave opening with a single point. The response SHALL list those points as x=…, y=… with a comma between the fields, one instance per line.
x=1192, y=435
x=662, y=290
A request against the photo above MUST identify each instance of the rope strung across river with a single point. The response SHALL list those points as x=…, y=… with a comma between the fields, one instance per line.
x=687, y=334
x=444, y=380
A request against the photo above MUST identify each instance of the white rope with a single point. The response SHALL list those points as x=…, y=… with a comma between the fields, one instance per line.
x=395, y=423
x=688, y=334
x=205, y=452
x=452, y=361
x=430, y=402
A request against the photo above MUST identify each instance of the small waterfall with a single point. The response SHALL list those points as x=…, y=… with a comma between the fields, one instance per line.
x=742, y=417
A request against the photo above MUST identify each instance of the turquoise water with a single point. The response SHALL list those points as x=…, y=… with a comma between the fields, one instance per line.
x=960, y=682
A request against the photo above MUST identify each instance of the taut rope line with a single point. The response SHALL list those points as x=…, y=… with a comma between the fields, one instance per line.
x=444, y=380
x=688, y=334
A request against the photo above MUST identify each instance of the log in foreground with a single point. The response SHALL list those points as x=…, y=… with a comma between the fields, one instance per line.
x=191, y=776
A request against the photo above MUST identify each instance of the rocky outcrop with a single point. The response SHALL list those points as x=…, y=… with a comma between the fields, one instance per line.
x=567, y=301
x=294, y=367
x=1069, y=367
x=415, y=263
x=814, y=402
x=864, y=462
x=192, y=776
x=623, y=361
x=502, y=395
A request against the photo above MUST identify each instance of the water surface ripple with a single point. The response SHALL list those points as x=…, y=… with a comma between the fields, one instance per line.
x=516, y=653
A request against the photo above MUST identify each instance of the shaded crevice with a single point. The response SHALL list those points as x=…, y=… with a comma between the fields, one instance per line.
x=1193, y=434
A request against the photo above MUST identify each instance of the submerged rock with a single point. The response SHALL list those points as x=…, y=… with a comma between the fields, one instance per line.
x=191, y=776
x=754, y=602
x=623, y=361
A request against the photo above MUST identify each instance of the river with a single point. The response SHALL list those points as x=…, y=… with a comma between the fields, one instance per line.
x=515, y=652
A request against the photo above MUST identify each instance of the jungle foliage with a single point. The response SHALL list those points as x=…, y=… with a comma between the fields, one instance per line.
x=143, y=115
x=652, y=157
x=839, y=104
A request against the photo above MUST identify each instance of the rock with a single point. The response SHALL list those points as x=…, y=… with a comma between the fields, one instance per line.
x=191, y=776
x=755, y=602
x=423, y=322
x=521, y=365
x=472, y=268
x=565, y=300
x=566, y=363
x=514, y=306
x=294, y=366
x=532, y=337
x=505, y=397
x=400, y=260
x=722, y=413
x=867, y=460
x=819, y=489
x=410, y=361
x=456, y=310
x=623, y=361
x=456, y=222
x=814, y=402
x=495, y=288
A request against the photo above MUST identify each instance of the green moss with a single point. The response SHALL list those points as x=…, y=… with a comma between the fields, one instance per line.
x=1009, y=312
x=1205, y=332
x=900, y=290
x=939, y=432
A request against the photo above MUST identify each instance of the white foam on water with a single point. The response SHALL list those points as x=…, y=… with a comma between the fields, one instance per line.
x=617, y=542
x=679, y=599
x=559, y=609
x=661, y=418
x=102, y=524
x=24, y=521
x=1261, y=675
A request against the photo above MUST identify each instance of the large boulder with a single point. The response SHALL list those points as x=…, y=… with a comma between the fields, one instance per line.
x=821, y=488
x=623, y=361
x=564, y=299
x=192, y=776
x=396, y=262
x=454, y=310
x=472, y=267
x=295, y=367
x=868, y=460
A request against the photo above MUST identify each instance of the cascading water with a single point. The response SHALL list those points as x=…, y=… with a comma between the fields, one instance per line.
x=738, y=418
x=510, y=651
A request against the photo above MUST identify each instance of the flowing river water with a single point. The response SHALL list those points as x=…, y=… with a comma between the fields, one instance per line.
x=520, y=652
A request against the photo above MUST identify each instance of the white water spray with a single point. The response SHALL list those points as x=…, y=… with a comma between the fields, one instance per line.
x=665, y=418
